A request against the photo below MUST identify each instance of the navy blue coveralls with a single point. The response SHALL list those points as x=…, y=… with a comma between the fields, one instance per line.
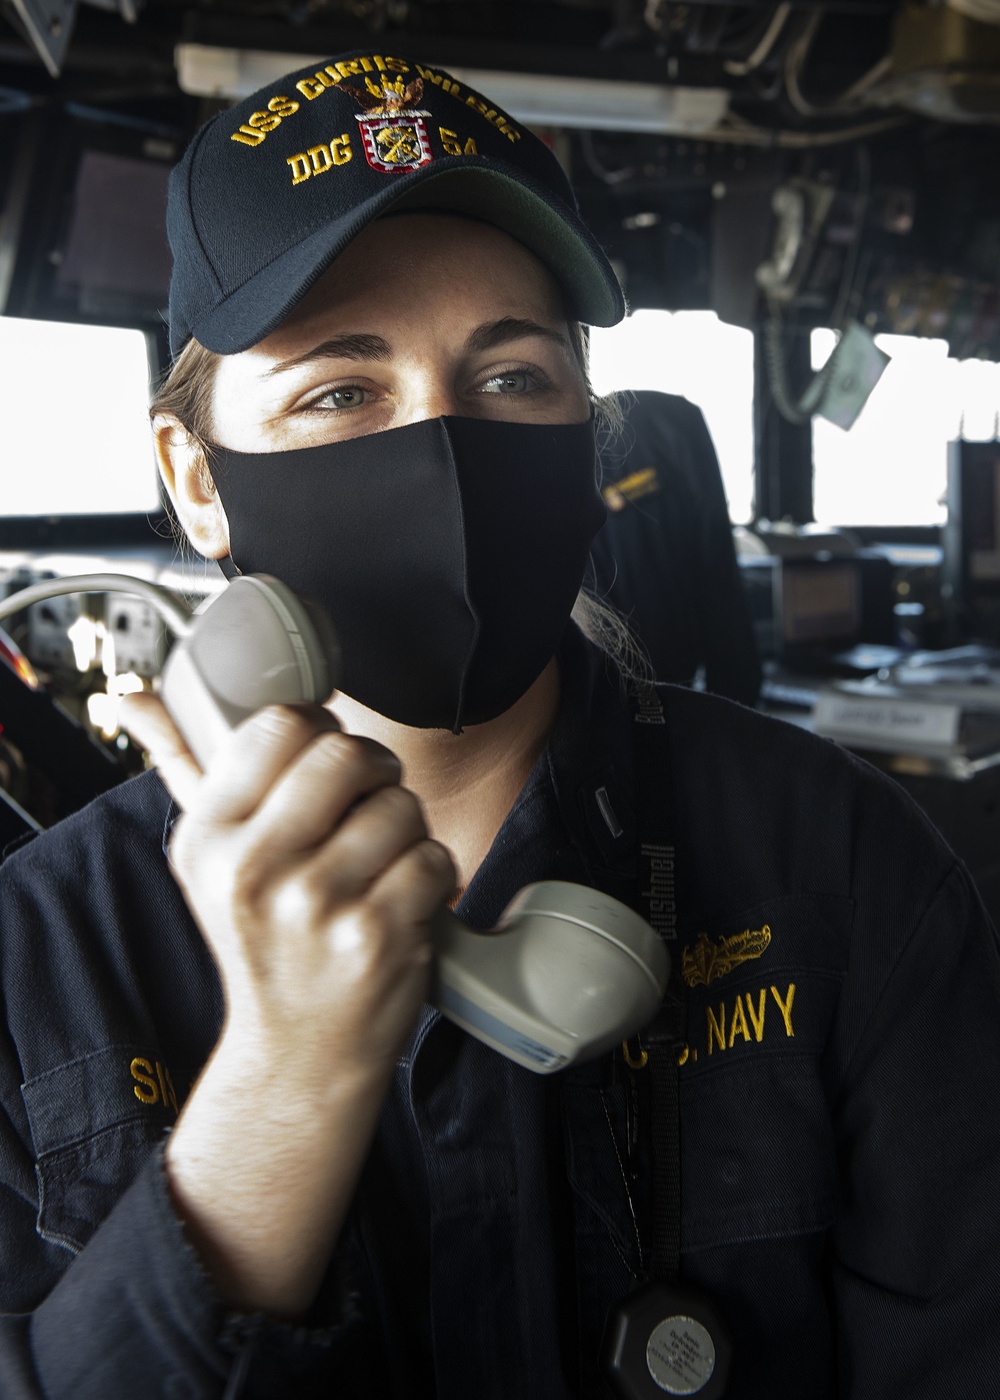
x=839, y=1113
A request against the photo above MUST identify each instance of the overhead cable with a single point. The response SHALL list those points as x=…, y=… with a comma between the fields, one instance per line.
x=741, y=67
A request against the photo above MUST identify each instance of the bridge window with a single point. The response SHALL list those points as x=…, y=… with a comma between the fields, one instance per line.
x=890, y=468
x=695, y=354
x=74, y=432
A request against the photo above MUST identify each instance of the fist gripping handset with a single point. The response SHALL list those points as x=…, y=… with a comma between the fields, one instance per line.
x=567, y=973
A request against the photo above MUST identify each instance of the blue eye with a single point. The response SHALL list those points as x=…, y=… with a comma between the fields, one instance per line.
x=513, y=382
x=350, y=396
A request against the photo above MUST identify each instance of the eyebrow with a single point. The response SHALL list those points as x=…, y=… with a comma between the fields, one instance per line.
x=339, y=347
x=359, y=346
x=496, y=333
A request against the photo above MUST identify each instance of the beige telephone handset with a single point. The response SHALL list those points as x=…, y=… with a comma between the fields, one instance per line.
x=568, y=972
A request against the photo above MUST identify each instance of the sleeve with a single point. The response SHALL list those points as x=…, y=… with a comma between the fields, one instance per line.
x=132, y=1311
x=918, y=1236
x=101, y=1295
x=134, y=1314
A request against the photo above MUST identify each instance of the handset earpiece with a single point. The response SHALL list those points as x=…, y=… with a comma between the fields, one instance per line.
x=256, y=643
x=568, y=973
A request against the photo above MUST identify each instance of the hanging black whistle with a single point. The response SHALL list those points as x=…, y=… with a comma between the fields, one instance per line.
x=666, y=1340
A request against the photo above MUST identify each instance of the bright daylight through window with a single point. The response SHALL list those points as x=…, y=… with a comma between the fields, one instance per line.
x=891, y=467
x=73, y=403
x=695, y=354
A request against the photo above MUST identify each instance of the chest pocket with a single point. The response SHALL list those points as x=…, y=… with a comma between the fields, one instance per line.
x=94, y=1122
x=758, y=1158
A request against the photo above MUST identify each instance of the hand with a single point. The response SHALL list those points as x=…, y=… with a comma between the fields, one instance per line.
x=309, y=870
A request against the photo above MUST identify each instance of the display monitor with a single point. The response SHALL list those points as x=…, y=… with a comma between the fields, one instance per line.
x=819, y=604
x=83, y=220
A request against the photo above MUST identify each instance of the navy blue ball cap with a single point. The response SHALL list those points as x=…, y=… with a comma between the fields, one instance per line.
x=271, y=191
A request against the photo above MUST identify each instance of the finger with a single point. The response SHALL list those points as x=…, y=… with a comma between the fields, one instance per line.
x=314, y=794
x=145, y=719
x=416, y=885
x=376, y=833
x=254, y=757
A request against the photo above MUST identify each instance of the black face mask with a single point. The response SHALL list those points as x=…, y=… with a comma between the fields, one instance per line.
x=448, y=553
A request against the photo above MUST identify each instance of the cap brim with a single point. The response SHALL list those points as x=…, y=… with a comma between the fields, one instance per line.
x=549, y=228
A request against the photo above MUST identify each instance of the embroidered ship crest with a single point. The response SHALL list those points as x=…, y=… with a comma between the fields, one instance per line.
x=706, y=961
x=393, y=132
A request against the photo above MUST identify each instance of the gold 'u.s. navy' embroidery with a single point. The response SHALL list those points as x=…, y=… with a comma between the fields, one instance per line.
x=744, y=1021
x=747, y=1018
x=706, y=961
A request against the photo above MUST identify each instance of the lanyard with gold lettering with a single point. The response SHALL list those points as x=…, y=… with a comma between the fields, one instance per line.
x=667, y=1337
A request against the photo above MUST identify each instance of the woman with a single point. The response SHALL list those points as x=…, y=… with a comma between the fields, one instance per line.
x=379, y=396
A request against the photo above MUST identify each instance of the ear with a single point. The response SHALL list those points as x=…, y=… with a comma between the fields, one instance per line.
x=188, y=482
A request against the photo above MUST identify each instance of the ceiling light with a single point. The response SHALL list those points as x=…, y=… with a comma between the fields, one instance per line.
x=537, y=99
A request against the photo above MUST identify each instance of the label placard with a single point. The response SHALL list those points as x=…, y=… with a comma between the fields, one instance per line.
x=884, y=722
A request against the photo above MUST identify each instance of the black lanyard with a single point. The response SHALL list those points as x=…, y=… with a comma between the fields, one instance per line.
x=662, y=1041
x=668, y=1337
